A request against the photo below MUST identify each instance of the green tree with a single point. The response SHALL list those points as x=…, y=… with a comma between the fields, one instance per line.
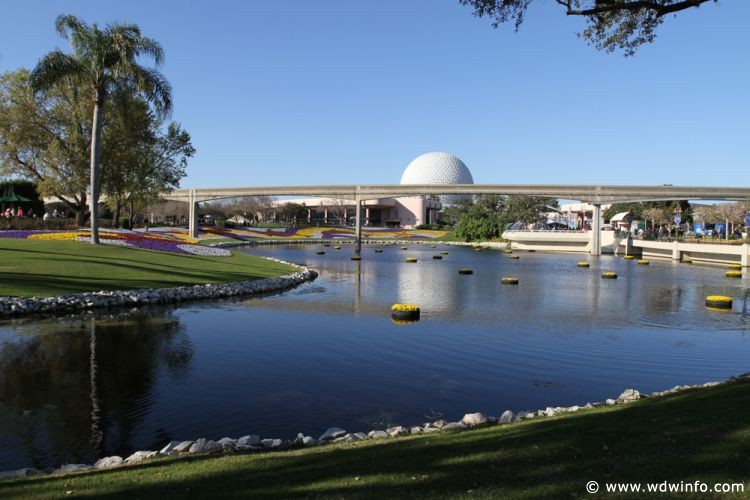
x=106, y=62
x=482, y=220
x=294, y=212
x=524, y=208
x=45, y=137
x=453, y=212
x=611, y=24
x=141, y=161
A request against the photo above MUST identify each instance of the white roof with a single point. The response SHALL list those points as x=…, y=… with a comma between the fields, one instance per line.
x=619, y=217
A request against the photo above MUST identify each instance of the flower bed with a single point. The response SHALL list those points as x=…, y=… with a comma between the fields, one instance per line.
x=156, y=240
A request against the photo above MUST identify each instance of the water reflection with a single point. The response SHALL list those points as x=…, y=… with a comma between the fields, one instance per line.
x=77, y=388
x=328, y=353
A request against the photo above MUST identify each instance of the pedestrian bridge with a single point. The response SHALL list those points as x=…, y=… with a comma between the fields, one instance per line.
x=593, y=194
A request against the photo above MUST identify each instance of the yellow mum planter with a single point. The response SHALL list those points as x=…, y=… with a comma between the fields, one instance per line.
x=444, y=252
x=735, y=266
x=509, y=281
x=404, y=248
x=687, y=261
x=515, y=257
x=403, y=312
x=609, y=275
x=508, y=250
x=465, y=270
x=733, y=274
x=629, y=257
x=583, y=264
x=433, y=246
x=356, y=257
x=437, y=257
x=337, y=247
x=719, y=302
x=411, y=259
x=643, y=262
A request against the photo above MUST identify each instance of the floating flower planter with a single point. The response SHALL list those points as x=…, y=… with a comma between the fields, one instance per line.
x=643, y=262
x=437, y=257
x=411, y=259
x=378, y=250
x=719, y=302
x=733, y=274
x=337, y=247
x=444, y=252
x=464, y=270
x=583, y=264
x=509, y=281
x=735, y=266
x=356, y=257
x=403, y=321
x=609, y=275
x=508, y=250
x=326, y=245
x=408, y=312
x=433, y=246
x=515, y=257
x=629, y=257
x=404, y=248
x=532, y=251
x=687, y=261
x=320, y=252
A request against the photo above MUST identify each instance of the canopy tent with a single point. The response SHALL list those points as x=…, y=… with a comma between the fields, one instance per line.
x=14, y=198
x=619, y=217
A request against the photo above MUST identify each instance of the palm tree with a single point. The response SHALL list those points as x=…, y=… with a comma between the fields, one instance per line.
x=105, y=61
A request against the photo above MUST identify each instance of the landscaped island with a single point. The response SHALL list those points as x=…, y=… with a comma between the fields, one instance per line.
x=46, y=268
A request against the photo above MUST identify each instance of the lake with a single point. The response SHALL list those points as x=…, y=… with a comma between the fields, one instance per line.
x=76, y=388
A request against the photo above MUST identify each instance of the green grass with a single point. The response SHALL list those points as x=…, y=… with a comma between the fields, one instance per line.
x=701, y=434
x=45, y=268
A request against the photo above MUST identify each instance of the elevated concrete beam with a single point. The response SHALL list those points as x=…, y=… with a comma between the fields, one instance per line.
x=594, y=194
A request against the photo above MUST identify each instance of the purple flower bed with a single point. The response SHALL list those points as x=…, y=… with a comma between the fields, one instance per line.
x=23, y=234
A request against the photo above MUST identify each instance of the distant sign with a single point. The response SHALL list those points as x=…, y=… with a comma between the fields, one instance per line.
x=747, y=220
x=677, y=219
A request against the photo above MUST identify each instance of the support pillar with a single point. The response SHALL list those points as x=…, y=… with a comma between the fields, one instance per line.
x=745, y=257
x=193, y=218
x=358, y=224
x=596, y=230
x=676, y=254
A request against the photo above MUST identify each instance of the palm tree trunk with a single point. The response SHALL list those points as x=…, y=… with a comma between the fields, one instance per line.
x=96, y=139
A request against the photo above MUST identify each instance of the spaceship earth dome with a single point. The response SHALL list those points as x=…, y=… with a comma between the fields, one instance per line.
x=437, y=168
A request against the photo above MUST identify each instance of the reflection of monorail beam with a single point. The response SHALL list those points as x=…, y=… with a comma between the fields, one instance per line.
x=596, y=195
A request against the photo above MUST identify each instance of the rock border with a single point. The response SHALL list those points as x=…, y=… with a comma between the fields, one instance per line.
x=252, y=442
x=18, y=306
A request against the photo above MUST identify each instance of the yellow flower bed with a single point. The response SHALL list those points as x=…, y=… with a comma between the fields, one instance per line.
x=69, y=236
x=405, y=307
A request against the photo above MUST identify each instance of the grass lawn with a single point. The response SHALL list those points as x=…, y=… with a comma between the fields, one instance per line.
x=696, y=435
x=43, y=268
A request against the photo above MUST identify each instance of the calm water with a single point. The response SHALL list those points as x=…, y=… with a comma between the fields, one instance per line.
x=328, y=353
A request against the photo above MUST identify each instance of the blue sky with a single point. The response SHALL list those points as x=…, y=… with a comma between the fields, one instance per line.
x=328, y=91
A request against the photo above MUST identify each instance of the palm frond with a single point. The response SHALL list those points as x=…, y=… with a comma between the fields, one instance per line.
x=53, y=68
x=154, y=86
x=150, y=47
